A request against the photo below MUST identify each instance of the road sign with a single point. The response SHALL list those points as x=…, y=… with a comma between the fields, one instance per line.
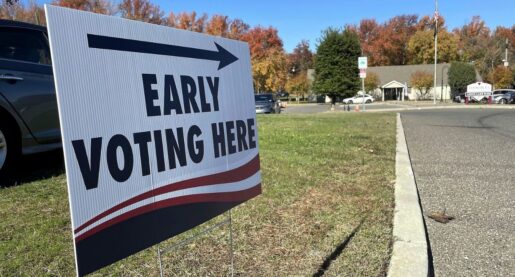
x=362, y=73
x=158, y=129
x=480, y=88
x=362, y=62
x=478, y=91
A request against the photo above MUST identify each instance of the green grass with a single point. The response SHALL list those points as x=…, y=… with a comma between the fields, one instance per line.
x=322, y=176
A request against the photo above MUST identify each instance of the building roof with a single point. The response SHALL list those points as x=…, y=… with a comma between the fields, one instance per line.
x=402, y=73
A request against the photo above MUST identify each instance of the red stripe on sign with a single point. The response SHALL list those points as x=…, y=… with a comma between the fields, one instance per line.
x=235, y=196
x=231, y=176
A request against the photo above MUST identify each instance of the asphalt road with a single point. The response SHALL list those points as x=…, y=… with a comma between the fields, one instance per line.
x=464, y=162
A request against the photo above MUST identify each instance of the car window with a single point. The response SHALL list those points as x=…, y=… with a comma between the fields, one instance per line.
x=24, y=45
x=263, y=97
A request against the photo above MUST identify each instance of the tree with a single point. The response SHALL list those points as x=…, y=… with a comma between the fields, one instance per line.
x=237, y=29
x=298, y=64
x=421, y=47
x=262, y=40
x=336, y=66
x=386, y=44
x=302, y=58
x=141, y=10
x=218, y=25
x=187, y=21
x=503, y=38
x=474, y=40
x=501, y=77
x=96, y=6
x=11, y=9
x=460, y=76
x=427, y=23
x=371, y=82
x=269, y=72
x=423, y=82
x=298, y=84
x=369, y=32
x=395, y=36
x=15, y=10
x=269, y=62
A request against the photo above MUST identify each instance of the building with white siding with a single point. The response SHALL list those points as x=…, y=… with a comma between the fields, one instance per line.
x=393, y=80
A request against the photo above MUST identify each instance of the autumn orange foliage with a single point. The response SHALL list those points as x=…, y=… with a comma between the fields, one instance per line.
x=403, y=39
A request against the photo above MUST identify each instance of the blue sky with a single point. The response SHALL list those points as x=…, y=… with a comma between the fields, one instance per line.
x=303, y=19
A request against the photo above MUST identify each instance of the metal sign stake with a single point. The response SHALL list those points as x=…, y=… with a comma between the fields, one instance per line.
x=227, y=221
x=159, y=260
x=231, y=247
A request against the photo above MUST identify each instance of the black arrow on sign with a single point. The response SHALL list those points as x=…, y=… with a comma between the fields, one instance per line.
x=129, y=45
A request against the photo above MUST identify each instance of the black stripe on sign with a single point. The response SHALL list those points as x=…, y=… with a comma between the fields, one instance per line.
x=138, y=233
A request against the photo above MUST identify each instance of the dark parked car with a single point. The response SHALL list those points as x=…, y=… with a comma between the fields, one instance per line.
x=282, y=95
x=267, y=103
x=459, y=97
x=28, y=110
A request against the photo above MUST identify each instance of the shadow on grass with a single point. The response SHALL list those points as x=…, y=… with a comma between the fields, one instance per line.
x=336, y=253
x=36, y=167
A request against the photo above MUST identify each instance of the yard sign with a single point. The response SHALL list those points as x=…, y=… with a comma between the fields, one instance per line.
x=158, y=130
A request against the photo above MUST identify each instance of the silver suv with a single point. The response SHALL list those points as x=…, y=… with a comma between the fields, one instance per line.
x=499, y=96
x=267, y=103
x=28, y=110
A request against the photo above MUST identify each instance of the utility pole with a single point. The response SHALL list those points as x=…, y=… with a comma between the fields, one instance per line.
x=506, y=62
x=436, y=50
x=362, y=66
x=363, y=90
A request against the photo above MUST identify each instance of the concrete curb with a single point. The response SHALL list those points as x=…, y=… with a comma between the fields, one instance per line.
x=409, y=254
x=500, y=107
x=409, y=108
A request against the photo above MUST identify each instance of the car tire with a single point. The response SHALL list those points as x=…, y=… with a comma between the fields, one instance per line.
x=350, y=102
x=503, y=101
x=10, y=149
x=368, y=101
x=484, y=101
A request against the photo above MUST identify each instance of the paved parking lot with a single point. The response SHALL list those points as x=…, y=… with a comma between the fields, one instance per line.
x=464, y=162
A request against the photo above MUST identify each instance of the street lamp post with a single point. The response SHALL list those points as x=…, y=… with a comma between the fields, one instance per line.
x=505, y=61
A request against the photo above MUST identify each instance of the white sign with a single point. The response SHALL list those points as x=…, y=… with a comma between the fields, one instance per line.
x=362, y=73
x=479, y=89
x=158, y=129
x=362, y=62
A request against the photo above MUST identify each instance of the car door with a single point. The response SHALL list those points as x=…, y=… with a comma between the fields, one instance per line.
x=26, y=80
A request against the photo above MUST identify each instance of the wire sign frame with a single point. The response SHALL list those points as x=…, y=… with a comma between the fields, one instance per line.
x=227, y=221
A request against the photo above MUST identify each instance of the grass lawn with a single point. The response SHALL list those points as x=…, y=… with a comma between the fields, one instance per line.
x=327, y=207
